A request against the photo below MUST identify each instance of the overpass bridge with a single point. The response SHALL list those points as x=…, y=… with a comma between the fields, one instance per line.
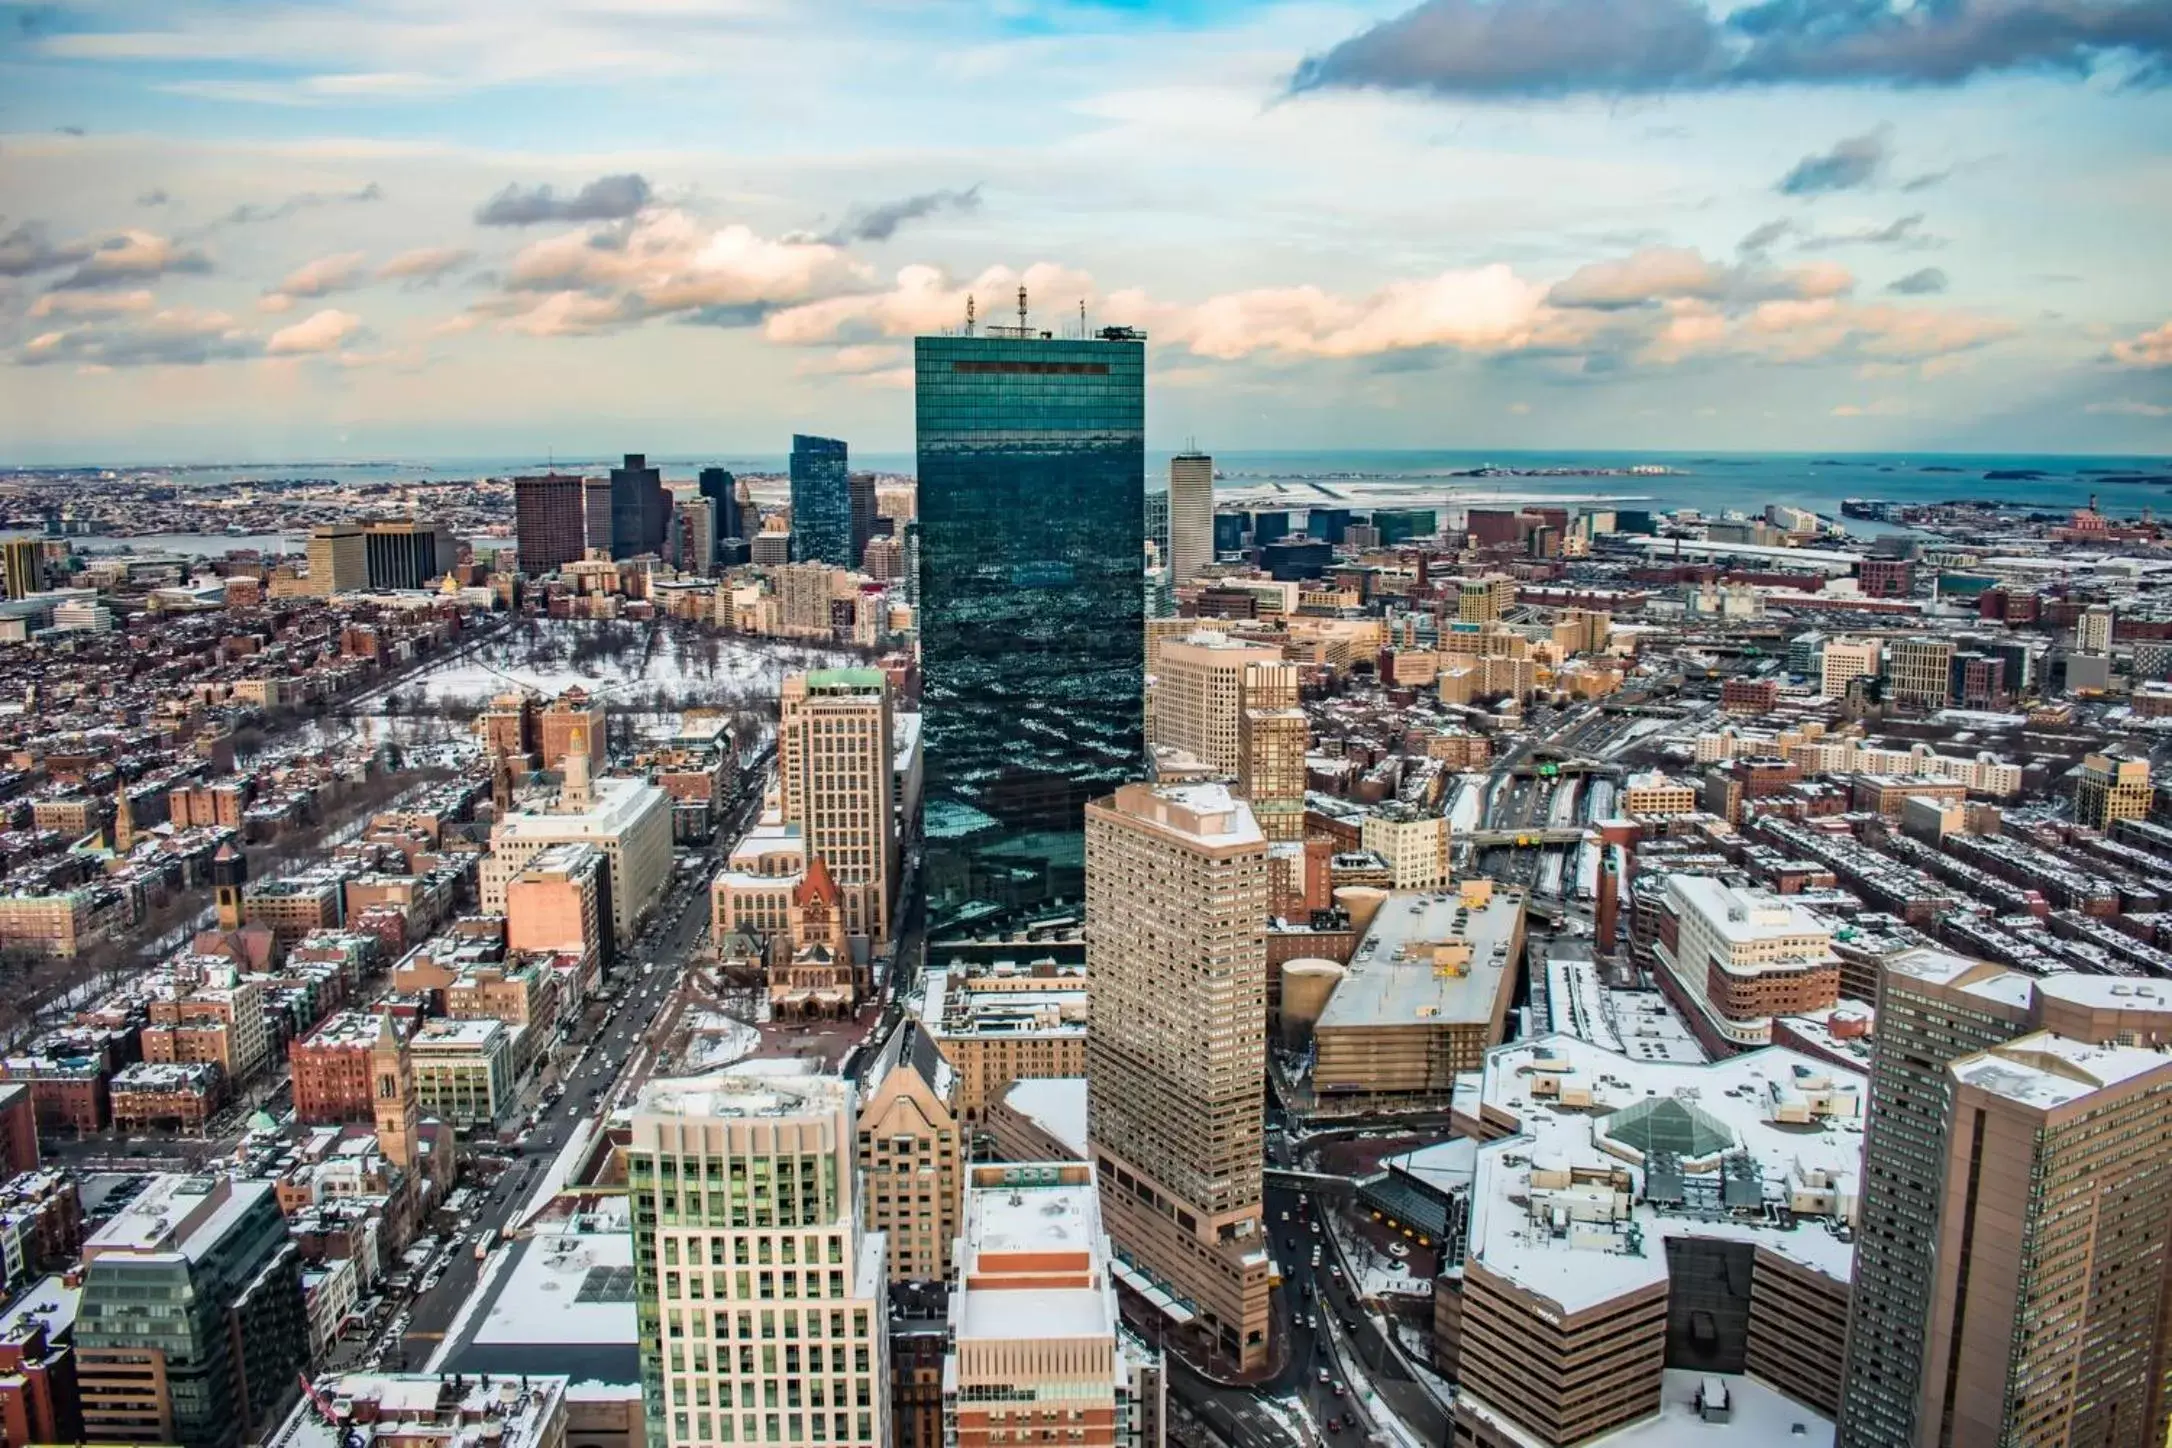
x=1544, y=768
x=1530, y=837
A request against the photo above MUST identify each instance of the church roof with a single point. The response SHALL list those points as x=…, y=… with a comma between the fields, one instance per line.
x=816, y=884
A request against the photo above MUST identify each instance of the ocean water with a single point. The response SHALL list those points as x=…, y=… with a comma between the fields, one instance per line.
x=2123, y=486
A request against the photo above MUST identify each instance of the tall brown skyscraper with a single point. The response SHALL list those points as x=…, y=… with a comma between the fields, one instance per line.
x=2007, y=1238
x=549, y=521
x=2052, y=1243
x=1176, y=961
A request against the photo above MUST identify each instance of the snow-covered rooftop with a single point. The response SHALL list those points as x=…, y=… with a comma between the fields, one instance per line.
x=1056, y=1104
x=1619, y=1153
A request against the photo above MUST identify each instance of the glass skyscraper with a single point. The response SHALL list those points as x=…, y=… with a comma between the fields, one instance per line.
x=821, y=502
x=722, y=491
x=1032, y=578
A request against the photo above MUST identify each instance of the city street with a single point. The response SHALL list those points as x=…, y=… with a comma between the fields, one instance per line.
x=669, y=939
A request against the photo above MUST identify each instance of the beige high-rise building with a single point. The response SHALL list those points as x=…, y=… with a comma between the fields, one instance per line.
x=760, y=1298
x=1199, y=696
x=1272, y=741
x=911, y=1152
x=835, y=781
x=1232, y=705
x=2093, y=631
x=1481, y=600
x=1845, y=660
x=1176, y=950
x=1191, y=516
x=338, y=559
x=2107, y=789
x=1920, y=671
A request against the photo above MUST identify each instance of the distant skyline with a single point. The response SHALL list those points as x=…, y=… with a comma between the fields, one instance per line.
x=272, y=231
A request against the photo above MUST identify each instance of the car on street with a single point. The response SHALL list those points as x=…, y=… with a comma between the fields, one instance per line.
x=1325, y=1376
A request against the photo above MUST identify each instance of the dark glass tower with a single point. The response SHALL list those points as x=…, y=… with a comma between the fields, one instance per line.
x=1031, y=577
x=640, y=509
x=821, y=503
x=722, y=491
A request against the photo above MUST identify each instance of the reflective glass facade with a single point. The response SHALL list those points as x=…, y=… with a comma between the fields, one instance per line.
x=821, y=503
x=1031, y=575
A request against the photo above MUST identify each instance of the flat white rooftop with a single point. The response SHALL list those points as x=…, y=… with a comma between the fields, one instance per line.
x=2047, y=1071
x=1392, y=979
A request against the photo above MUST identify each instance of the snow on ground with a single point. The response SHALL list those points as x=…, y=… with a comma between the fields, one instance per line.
x=1550, y=874
x=1417, y=1348
x=1599, y=800
x=1561, y=811
x=1290, y=1415
x=716, y=1040
x=673, y=661
x=1587, y=872
x=1384, y=1274
x=1468, y=807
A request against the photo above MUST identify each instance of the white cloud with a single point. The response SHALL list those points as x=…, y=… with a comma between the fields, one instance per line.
x=341, y=272
x=2151, y=349
x=925, y=299
x=322, y=331
x=424, y=263
x=662, y=264
x=92, y=304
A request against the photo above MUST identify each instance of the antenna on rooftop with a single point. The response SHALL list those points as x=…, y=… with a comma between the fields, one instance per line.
x=1021, y=307
x=1082, y=317
x=968, y=314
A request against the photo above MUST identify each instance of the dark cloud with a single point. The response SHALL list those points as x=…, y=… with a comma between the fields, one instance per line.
x=1926, y=181
x=880, y=222
x=156, y=196
x=170, y=339
x=29, y=249
x=1904, y=232
x=1852, y=162
x=1919, y=283
x=1764, y=238
x=741, y=314
x=1525, y=48
x=250, y=214
x=1516, y=48
x=71, y=130
x=133, y=256
x=608, y=198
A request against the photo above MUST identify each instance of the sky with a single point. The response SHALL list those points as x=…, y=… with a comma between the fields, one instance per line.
x=273, y=231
